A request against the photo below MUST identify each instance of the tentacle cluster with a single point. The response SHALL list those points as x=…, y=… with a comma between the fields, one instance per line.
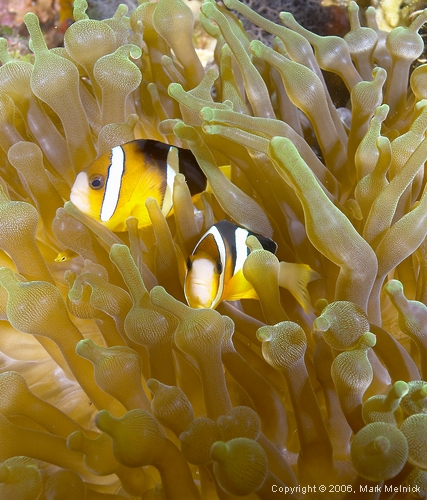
x=110, y=386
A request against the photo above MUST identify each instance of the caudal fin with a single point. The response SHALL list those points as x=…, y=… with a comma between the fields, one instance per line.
x=295, y=278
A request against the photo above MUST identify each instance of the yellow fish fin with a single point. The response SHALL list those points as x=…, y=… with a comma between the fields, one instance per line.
x=295, y=278
x=226, y=170
x=66, y=255
x=182, y=266
x=239, y=288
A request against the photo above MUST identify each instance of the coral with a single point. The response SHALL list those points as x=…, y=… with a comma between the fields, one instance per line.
x=111, y=387
x=311, y=14
x=98, y=9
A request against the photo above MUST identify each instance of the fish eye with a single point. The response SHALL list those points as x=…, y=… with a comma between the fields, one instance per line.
x=96, y=182
x=189, y=263
x=218, y=267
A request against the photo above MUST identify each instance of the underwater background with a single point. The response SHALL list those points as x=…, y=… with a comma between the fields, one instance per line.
x=111, y=387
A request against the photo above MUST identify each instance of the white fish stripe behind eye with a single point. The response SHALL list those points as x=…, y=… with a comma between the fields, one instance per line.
x=172, y=169
x=240, y=236
x=222, y=257
x=113, y=183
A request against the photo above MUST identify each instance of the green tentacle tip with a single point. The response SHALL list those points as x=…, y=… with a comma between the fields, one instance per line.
x=418, y=21
x=401, y=388
x=184, y=131
x=381, y=112
x=367, y=340
x=264, y=334
x=129, y=50
x=209, y=8
x=286, y=17
x=379, y=75
x=393, y=287
x=4, y=54
x=207, y=114
x=209, y=129
x=79, y=10
x=175, y=90
x=32, y=23
x=121, y=11
x=257, y=47
x=353, y=7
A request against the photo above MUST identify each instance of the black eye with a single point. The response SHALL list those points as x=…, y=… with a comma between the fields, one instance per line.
x=189, y=264
x=218, y=267
x=96, y=182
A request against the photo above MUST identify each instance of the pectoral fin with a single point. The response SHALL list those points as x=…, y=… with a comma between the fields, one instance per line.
x=239, y=288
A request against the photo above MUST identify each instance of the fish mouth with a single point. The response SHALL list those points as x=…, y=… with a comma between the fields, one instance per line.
x=198, y=295
x=79, y=195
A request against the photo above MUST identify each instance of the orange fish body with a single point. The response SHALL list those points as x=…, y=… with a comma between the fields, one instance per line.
x=214, y=269
x=117, y=184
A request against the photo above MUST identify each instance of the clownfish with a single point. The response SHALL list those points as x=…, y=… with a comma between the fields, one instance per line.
x=117, y=184
x=215, y=269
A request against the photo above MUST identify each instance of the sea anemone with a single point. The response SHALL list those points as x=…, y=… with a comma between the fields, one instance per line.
x=110, y=385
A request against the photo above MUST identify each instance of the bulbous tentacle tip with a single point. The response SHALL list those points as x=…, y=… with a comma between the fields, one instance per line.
x=162, y=299
x=342, y=323
x=264, y=334
x=119, y=252
x=7, y=277
x=321, y=324
x=414, y=429
x=37, y=43
x=75, y=441
x=284, y=345
x=381, y=112
x=418, y=21
x=20, y=478
x=241, y=421
x=400, y=388
x=5, y=57
x=416, y=400
x=154, y=385
x=240, y=465
x=393, y=287
x=277, y=185
x=379, y=451
x=65, y=482
x=207, y=114
x=87, y=348
x=105, y=421
x=129, y=50
x=121, y=11
x=79, y=10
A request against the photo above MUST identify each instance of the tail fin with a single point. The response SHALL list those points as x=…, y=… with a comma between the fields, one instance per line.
x=295, y=278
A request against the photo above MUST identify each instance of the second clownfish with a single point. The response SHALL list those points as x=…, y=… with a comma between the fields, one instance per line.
x=215, y=269
x=117, y=184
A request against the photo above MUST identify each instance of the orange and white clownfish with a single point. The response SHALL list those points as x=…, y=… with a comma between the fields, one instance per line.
x=117, y=184
x=214, y=269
